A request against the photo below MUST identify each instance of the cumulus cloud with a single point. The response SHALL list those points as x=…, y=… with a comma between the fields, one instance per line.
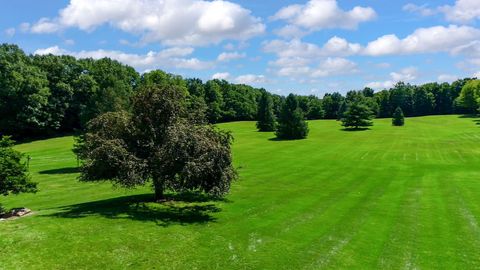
x=221, y=76
x=167, y=58
x=447, y=78
x=452, y=39
x=251, y=79
x=423, y=10
x=171, y=22
x=463, y=11
x=301, y=59
x=424, y=40
x=228, y=56
x=296, y=48
x=408, y=74
x=290, y=31
x=324, y=14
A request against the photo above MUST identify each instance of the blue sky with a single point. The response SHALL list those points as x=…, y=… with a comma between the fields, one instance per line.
x=305, y=47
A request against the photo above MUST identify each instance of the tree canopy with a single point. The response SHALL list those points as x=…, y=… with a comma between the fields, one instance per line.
x=266, y=117
x=14, y=178
x=357, y=115
x=158, y=143
x=291, y=123
x=44, y=95
x=469, y=97
x=398, y=118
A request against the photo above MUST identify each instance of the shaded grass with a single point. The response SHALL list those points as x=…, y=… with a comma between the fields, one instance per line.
x=384, y=198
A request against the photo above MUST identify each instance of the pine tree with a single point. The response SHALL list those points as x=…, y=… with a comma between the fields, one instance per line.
x=291, y=123
x=357, y=115
x=398, y=118
x=266, y=118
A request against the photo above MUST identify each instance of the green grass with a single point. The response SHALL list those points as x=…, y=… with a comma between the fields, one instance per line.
x=386, y=198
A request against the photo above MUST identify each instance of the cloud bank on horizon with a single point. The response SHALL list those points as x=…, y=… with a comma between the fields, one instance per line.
x=312, y=46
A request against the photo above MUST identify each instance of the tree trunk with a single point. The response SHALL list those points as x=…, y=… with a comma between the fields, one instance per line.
x=159, y=189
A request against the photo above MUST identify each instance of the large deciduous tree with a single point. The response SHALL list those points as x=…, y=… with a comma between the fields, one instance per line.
x=14, y=178
x=266, y=117
x=291, y=123
x=157, y=143
x=469, y=97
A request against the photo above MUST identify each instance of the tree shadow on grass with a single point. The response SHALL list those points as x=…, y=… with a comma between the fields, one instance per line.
x=68, y=170
x=142, y=208
x=469, y=116
x=354, y=129
x=276, y=139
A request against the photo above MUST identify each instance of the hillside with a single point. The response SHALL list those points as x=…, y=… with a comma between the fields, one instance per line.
x=389, y=197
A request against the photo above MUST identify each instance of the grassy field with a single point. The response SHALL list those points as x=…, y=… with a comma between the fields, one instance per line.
x=387, y=198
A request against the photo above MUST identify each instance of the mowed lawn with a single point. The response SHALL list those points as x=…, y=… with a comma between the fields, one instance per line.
x=386, y=198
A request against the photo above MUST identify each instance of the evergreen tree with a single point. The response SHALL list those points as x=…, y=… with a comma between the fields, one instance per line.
x=266, y=118
x=357, y=115
x=398, y=118
x=291, y=123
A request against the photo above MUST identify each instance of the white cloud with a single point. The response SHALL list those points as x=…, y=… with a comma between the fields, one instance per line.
x=10, y=32
x=476, y=75
x=171, y=22
x=300, y=59
x=167, y=58
x=422, y=10
x=471, y=49
x=290, y=31
x=405, y=75
x=464, y=11
x=45, y=25
x=340, y=47
x=424, y=40
x=447, y=78
x=380, y=85
x=408, y=74
x=221, y=76
x=323, y=14
x=296, y=48
x=251, y=79
x=228, y=56
x=334, y=66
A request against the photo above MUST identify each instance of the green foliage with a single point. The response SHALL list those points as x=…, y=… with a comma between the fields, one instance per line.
x=331, y=105
x=423, y=101
x=357, y=115
x=291, y=123
x=398, y=118
x=315, y=108
x=386, y=188
x=48, y=95
x=469, y=97
x=157, y=142
x=266, y=118
x=14, y=177
x=24, y=93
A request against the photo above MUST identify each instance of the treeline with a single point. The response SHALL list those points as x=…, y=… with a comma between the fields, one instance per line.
x=45, y=95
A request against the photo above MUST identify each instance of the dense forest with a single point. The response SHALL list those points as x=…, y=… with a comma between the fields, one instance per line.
x=44, y=95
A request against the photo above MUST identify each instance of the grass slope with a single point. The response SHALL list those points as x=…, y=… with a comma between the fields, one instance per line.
x=389, y=198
